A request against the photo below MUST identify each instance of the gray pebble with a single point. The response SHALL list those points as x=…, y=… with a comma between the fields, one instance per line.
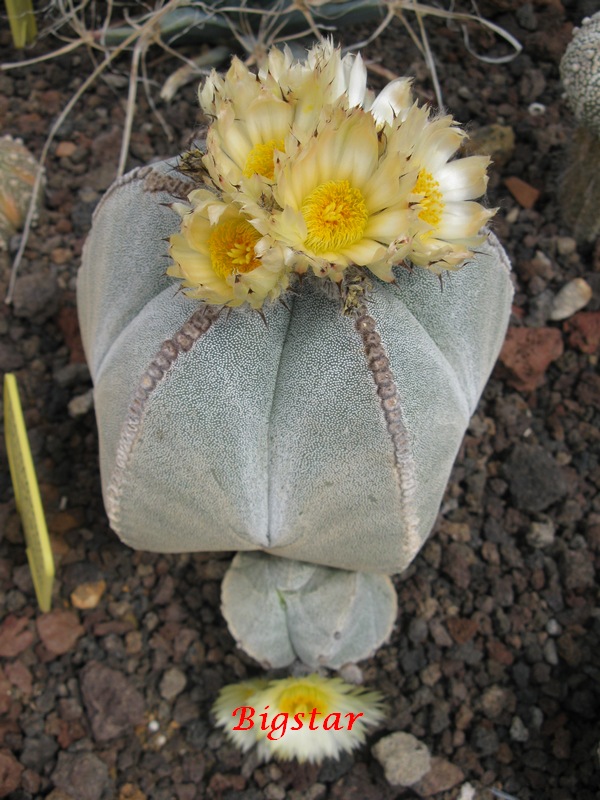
x=172, y=683
x=36, y=297
x=83, y=775
x=534, y=478
x=518, y=732
x=405, y=760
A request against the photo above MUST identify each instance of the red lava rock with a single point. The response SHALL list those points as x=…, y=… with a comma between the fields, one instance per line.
x=113, y=704
x=458, y=558
x=220, y=783
x=588, y=390
x=69, y=327
x=442, y=776
x=500, y=653
x=14, y=638
x=19, y=676
x=10, y=773
x=584, y=331
x=527, y=354
x=462, y=630
x=5, y=693
x=525, y=194
x=69, y=732
x=114, y=626
x=83, y=774
x=578, y=570
x=59, y=630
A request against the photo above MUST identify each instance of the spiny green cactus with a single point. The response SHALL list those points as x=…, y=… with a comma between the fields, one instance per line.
x=18, y=169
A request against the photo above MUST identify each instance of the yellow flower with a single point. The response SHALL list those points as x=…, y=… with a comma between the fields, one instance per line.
x=341, y=199
x=221, y=257
x=309, y=718
x=257, y=118
x=447, y=224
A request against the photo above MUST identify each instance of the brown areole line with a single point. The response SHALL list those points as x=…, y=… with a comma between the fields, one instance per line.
x=157, y=371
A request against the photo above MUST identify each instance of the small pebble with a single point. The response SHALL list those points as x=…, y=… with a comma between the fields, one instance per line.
x=88, y=595
x=553, y=627
x=405, y=760
x=566, y=245
x=172, y=683
x=550, y=653
x=518, y=732
x=573, y=296
x=80, y=405
x=541, y=534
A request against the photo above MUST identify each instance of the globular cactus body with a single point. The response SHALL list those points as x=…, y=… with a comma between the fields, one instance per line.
x=287, y=434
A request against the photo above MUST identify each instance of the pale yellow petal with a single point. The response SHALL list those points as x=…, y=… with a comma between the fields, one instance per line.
x=463, y=179
x=462, y=220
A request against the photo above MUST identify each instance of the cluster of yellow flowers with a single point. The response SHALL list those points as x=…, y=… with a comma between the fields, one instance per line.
x=309, y=718
x=308, y=171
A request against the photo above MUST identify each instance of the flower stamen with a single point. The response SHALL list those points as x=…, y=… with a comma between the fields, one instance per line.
x=302, y=698
x=231, y=247
x=431, y=205
x=260, y=159
x=336, y=216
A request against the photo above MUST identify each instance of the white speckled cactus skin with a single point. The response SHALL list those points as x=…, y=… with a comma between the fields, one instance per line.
x=580, y=73
x=242, y=435
x=323, y=617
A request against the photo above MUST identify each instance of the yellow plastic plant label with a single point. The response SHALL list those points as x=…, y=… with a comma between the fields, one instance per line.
x=27, y=495
x=22, y=22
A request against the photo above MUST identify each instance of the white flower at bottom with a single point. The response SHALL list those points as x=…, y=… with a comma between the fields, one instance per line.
x=234, y=696
x=308, y=719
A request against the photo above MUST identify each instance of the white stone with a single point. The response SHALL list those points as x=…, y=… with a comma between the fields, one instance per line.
x=80, y=405
x=518, y=731
x=566, y=245
x=405, y=760
x=572, y=298
x=541, y=534
x=173, y=682
x=467, y=792
x=553, y=627
x=550, y=652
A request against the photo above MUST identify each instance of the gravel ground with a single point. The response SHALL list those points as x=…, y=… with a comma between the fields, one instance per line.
x=491, y=664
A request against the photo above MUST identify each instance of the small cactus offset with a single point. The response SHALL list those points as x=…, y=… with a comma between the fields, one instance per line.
x=18, y=170
x=319, y=616
x=580, y=188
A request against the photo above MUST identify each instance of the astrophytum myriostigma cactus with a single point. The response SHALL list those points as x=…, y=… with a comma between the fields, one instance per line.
x=227, y=432
x=316, y=419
